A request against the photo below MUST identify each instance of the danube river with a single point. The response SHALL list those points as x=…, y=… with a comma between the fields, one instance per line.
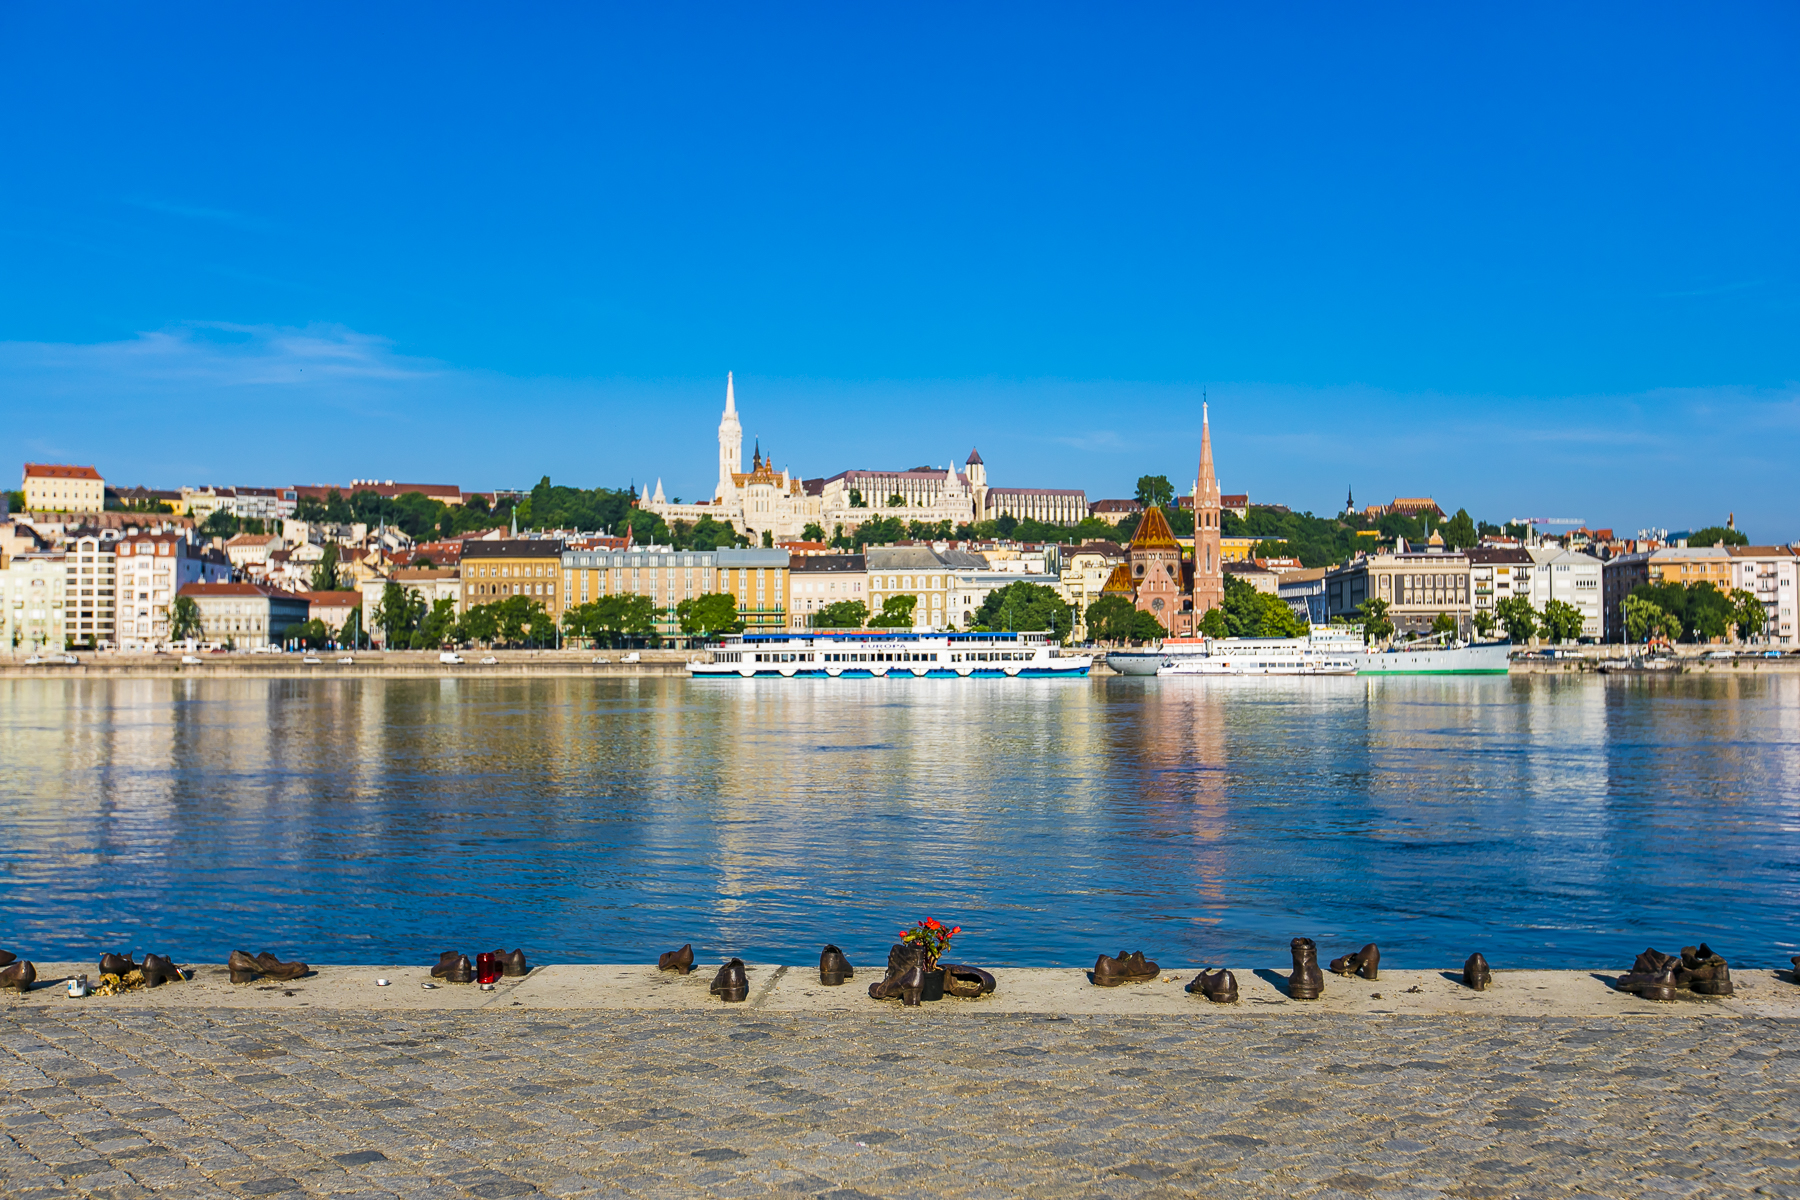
x=1546, y=821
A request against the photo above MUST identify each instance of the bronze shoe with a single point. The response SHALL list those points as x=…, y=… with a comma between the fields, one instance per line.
x=906, y=987
x=1369, y=962
x=1476, y=974
x=731, y=984
x=20, y=975
x=274, y=968
x=446, y=960
x=243, y=968
x=1650, y=985
x=1712, y=978
x=513, y=964
x=1306, y=982
x=679, y=961
x=457, y=970
x=1111, y=972
x=158, y=970
x=117, y=964
x=834, y=968
x=1141, y=968
x=1218, y=986
x=7, y=958
x=967, y=982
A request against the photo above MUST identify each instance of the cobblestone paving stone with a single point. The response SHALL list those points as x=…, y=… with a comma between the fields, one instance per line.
x=494, y=1104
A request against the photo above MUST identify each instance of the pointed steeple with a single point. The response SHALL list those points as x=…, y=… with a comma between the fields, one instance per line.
x=730, y=397
x=1209, y=480
x=658, y=498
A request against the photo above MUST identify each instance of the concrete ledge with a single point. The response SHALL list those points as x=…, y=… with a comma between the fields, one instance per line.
x=1047, y=991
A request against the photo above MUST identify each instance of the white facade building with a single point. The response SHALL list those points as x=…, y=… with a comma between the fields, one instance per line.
x=1573, y=578
x=32, y=589
x=90, y=594
x=1769, y=573
x=151, y=569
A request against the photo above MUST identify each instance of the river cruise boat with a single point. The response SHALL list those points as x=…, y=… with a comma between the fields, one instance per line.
x=1268, y=656
x=1328, y=648
x=887, y=654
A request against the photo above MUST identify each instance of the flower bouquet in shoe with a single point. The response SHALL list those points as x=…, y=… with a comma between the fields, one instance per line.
x=913, y=973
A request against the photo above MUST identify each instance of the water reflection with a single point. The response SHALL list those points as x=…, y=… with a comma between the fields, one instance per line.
x=1543, y=820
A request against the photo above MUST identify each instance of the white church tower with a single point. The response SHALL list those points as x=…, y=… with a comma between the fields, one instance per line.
x=731, y=445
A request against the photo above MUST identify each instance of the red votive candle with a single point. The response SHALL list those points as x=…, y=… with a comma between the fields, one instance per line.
x=487, y=968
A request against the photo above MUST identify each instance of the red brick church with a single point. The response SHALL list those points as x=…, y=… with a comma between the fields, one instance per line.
x=1157, y=577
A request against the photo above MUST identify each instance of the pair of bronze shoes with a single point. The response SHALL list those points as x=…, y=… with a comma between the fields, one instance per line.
x=1658, y=976
x=1476, y=975
x=731, y=984
x=906, y=985
x=1218, y=986
x=245, y=968
x=16, y=974
x=1124, y=967
x=834, y=968
x=679, y=961
x=453, y=966
x=967, y=982
x=154, y=970
x=1365, y=962
x=1306, y=982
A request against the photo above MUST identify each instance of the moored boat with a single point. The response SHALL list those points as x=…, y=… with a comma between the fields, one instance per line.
x=881, y=653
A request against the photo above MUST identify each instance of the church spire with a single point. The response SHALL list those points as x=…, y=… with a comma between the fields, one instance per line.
x=730, y=398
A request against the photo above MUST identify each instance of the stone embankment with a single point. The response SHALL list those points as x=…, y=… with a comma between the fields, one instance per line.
x=364, y=664
x=1140, y=1091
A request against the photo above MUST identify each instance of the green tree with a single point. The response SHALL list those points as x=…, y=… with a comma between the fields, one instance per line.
x=220, y=524
x=814, y=532
x=1215, y=624
x=312, y=634
x=1146, y=628
x=896, y=501
x=184, y=619
x=1748, y=614
x=1377, y=627
x=1114, y=619
x=1248, y=612
x=1006, y=525
x=1517, y=617
x=925, y=531
x=880, y=532
x=841, y=540
x=397, y=614
x=1484, y=623
x=1027, y=608
x=1717, y=535
x=707, y=534
x=845, y=614
x=351, y=634
x=1155, y=489
x=856, y=498
x=1645, y=619
x=437, y=627
x=709, y=615
x=1561, y=622
x=325, y=571
x=479, y=625
x=1444, y=623
x=1459, y=531
x=896, y=613
x=611, y=619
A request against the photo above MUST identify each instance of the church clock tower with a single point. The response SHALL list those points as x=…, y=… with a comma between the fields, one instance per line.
x=731, y=445
x=1209, y=568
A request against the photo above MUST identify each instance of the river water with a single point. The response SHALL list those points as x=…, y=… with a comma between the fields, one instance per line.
x=1564, y=822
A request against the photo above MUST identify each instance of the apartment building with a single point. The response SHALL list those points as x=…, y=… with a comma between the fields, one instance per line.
x=1573, y=578
x=915, y=571
x=1769, y=573
x=817, y=581
x=1085, y=571
x=33, y=587
x=1498, y=573
x=757, y=578
x=53, y=487
x=151, y=570
x=244, y=616
x=90, y=594
x=494, y=569
x=1417, y=585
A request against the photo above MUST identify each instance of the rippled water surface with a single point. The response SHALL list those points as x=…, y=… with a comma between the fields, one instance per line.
x=1546, y=821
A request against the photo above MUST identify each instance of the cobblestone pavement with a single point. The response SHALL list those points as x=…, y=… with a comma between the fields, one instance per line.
x=491, y=1104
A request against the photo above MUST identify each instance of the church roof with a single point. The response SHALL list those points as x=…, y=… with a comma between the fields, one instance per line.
x=1153, y=532
x=1119, y=582
x=975, y=456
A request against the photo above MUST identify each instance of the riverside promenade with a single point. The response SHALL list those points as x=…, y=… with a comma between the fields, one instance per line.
x=618, y=1081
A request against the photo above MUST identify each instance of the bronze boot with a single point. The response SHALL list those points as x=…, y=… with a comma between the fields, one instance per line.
x=457, y=970
x=731, y=984
x=1476, y=974
x=1307, y=982
x=1111, y=972
x=158, y=969
x=906, y=987
x=1368, y=962
x=243, y=968
x=8, y=958
x=834, y=968
x=446, y=960
x=513, y=965
x=20, y=975
x=117, y=964
x=679, y=961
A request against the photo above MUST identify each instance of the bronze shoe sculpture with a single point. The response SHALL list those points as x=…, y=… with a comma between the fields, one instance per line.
x=1650, y=985
x=117, y=964
x=20, y=975
x=1124, y=967
x=243, y=968
x=679, y=961
x=456, y=970
x=446, y=961
x=1476, y=974
x=834, y=968
x=731, y=984
x=1306, y=982
x=512, y=965
x=274, y=968
x=967, y=982
x=1218, y=986
x=1365, y=962
x=7, y=958
x=158, y=970
x=1796, y=961
x=907, y=987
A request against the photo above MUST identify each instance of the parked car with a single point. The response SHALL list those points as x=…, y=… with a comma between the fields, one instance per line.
x=450, y=658
x=629, y=658
x=191, y=658
x=489, y=660
x=601, y=658
x=346, y=660
x=51, y=660
x=311, y=660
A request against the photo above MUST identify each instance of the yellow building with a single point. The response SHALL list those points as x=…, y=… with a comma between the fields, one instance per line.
x=495, y=570
x=758, y=579
x=52, y=488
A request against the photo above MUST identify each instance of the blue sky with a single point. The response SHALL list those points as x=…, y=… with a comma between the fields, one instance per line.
x=1532, y=261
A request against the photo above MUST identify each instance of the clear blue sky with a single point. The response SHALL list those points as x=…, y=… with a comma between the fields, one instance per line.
x=1534, y=261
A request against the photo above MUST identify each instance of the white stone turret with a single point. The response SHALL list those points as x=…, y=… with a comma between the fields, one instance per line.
x=658, y=497
x=731, y=444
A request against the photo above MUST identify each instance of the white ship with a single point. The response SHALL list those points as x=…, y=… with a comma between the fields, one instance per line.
x=1329, y=650
x=1432, y=658
x=1317, y=655
x=880, y=653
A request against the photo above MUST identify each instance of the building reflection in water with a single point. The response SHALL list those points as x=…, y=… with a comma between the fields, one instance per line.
x=1204, y=820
